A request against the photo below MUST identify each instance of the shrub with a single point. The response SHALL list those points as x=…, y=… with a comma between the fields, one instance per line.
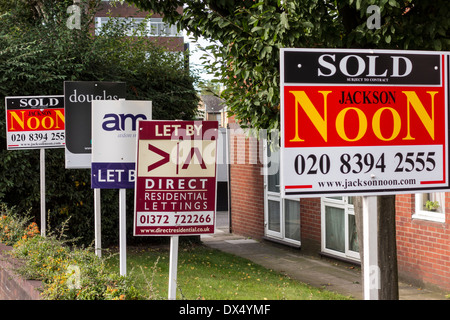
x=66, y=271
x=70, y=273
x=14, y=227
x=37, y=55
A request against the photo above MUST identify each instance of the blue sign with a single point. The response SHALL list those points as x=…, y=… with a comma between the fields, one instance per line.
x=113, y=175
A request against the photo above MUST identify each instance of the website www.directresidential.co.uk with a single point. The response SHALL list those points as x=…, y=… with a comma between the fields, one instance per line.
x=345, y=184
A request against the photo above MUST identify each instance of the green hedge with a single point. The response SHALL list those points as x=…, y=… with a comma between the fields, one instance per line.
x=37, y=55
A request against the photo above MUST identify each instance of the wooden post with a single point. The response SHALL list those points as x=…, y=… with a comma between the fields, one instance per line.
x=387, y=248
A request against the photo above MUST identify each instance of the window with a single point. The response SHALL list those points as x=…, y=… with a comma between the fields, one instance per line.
x=281, y=216
x=430, y=206
x=154, y=26
x=339, y=236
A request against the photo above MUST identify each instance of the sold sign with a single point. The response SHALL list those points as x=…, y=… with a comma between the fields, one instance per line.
x=363, y=121
x=35, y=122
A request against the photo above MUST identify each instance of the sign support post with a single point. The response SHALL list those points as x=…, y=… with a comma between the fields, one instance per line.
x=42, y=173
x=371, y=269
x=173, y=267
x=98, y=222
x=122, y=232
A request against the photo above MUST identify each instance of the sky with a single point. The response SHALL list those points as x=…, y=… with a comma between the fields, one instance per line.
x=194, y=59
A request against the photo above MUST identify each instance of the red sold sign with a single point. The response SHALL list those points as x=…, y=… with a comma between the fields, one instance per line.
x=175, y=191
x=35, y=122
x=364, y=121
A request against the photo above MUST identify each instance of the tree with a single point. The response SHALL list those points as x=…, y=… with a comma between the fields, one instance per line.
x=38, y=52
x=250, y=34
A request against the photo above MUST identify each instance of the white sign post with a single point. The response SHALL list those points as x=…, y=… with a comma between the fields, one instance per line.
x=114, y=126
x=122, y=232
x=42, y=177
x=370, y=242
x=97, y=222
x=173, y=267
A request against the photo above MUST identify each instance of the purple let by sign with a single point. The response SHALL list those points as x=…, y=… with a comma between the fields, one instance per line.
x=113, y=175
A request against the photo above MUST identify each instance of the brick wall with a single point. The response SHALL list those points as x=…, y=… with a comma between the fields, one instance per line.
x=310, y=223
x=423, y=247
x=13, y=287
x=247, y=184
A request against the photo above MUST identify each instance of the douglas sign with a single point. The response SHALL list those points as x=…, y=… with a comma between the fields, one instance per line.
x=363, y=121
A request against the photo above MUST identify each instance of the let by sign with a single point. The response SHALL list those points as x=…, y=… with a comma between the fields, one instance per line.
x=175, y=190
x=114, y=124
x=363, y=121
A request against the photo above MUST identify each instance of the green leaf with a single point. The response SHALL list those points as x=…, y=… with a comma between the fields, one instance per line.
x=257, y=28
x=393, y=3
x=284, y=20
x=387, y=38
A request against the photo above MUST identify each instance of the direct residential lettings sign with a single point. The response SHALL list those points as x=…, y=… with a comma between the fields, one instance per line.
x=175, y=192
x=363, y=121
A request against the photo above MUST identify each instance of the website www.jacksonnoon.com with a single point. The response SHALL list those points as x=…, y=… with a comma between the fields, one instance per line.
x=347, y=184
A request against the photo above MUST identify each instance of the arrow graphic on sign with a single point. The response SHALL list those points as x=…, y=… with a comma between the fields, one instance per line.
x=159, y=163
x=194, y=151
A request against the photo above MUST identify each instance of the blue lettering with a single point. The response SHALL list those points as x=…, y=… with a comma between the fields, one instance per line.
x=116, y=122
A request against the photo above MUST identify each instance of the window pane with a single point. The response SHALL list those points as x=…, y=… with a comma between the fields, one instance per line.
x=292, y=219
x=274, y=216
x=335, y=229
x=352, y=234
x=350, y=200
x=273, y=179
x=335, y=198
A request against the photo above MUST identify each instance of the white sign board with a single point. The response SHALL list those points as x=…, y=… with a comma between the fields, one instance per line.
x=363, y=122
x=114, y=126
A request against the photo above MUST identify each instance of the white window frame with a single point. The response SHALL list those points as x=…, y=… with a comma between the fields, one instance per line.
x=423, y=214
x=275, y=196
x=155, y=26
x=348, y=210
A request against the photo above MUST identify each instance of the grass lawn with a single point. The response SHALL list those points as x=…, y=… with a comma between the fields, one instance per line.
x=209, y=274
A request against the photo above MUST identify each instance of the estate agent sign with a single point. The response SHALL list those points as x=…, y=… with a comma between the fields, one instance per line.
x=78, y=96
x=34, y=122
x=175, y=191
x=363, y=121
x=114, y=125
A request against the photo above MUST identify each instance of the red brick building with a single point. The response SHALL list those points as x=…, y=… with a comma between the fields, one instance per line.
x=326, y=226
